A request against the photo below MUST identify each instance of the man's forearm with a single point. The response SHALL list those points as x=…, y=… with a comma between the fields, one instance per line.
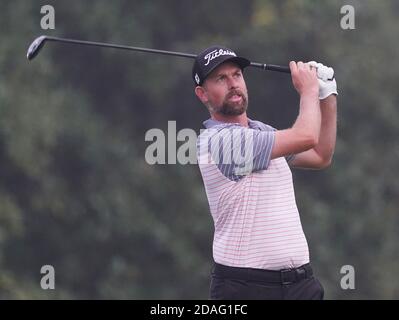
x=328, y=131
x=309, y=118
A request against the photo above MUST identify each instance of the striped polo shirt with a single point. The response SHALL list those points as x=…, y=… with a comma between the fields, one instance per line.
x=251, y=197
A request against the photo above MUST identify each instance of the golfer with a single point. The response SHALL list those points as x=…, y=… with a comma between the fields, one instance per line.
x=259, y=247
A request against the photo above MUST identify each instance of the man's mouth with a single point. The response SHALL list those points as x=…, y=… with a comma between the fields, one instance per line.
x=235, y=98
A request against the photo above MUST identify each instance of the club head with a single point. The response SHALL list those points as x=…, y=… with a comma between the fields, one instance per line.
x=35, y=47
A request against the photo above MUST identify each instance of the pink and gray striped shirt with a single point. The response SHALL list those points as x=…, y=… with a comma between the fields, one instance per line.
x=251, y=198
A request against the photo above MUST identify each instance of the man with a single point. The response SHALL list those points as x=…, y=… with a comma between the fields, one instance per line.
x=259, y=248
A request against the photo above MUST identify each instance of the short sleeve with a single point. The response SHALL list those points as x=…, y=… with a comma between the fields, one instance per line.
x=239, y=151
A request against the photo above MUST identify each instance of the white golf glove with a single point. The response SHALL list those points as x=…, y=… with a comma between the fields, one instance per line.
x=327, y=83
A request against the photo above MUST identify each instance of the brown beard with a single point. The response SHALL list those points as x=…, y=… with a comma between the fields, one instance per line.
x=232, y=108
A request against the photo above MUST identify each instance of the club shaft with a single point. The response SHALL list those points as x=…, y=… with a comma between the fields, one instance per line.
x=116, y=46
x=263, y=66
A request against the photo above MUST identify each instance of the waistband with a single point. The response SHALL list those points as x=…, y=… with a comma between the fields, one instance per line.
x=283, y=276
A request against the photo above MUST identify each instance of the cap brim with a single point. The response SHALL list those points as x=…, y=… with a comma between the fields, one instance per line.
x=240, y=61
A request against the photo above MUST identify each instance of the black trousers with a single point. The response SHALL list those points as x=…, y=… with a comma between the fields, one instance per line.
x=232, y=283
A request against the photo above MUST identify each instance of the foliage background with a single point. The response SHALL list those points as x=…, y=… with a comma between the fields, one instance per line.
x=77, y=194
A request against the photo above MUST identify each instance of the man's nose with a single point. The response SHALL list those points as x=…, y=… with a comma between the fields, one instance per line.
x=232, y=82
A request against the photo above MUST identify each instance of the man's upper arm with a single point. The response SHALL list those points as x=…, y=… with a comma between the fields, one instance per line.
x=291, y=141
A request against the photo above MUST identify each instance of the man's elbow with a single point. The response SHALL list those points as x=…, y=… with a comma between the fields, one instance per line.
x=324, y=163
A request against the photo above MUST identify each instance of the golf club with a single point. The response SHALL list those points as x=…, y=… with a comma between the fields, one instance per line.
x=39, y=42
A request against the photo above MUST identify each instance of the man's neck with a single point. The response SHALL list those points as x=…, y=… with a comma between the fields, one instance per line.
x=242, y=119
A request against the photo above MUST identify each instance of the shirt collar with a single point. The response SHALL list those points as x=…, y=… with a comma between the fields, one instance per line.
x=212, y=122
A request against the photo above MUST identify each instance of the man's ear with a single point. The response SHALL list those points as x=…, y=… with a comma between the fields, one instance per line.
x=201, y=94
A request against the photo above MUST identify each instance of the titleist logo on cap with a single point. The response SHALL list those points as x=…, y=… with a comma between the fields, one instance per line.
x=217, y=53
